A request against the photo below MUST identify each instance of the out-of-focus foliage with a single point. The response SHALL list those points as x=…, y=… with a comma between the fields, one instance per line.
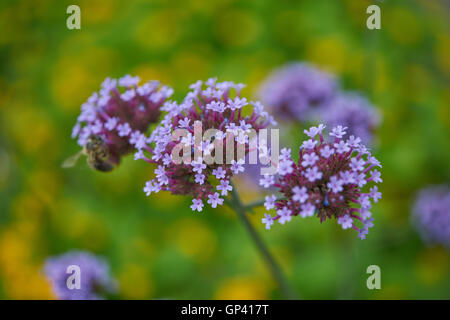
x=159, y=248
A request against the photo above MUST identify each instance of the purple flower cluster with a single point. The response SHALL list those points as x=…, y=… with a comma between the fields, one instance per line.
x=353, y=111
x=94, y=276
x=326, y=181
x=431, y=214
x=213, y=105
x=296, y=91
x=120, y=113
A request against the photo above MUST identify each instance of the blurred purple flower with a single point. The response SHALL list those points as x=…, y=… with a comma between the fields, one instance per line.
x=94, y=276
x=431, y=215
x=353, y=111
x=297, y=91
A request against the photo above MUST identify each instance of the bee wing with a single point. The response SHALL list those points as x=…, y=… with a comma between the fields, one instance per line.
x=71, y=161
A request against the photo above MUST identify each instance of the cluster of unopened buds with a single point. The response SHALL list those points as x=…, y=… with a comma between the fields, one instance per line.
x=326, y=181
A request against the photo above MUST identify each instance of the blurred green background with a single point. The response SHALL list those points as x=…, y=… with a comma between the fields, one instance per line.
x=159, y=248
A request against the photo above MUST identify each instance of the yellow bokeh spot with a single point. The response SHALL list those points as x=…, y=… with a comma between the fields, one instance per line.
x=329, y=52
x=402, y=25
x=194, y=238
x=5, y=167
x=29, y=128
x=97, y=11
x=77, y=74
x=442, y=53
x=45, y=184
x=85, y=227
x=190, y=66
x=381, y=79
x=389, y=292
x=160, y=30
x=444, y=110
x=238, y=28
x=432, y=265
x=26, y=206
x=357, y=10
x=165, y=200
x=22, y=277
x=242, y=288
x=143, y=247
x=155, y=71
x=14, y=250
x=134, y=282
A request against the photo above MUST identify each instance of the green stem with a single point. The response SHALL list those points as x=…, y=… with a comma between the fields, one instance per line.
x=250, y=206
x=240, y=209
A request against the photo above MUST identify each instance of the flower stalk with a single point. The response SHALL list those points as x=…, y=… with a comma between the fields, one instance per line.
x=235, y=203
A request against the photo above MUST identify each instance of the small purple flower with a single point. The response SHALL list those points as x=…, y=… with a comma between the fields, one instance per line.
x=285, y=167
x=197, y=204
x=93, y=272
x=128, y=95
x=284, y=215
x=345, y=221
x=200, y=178
x=237, y=103
x=313, y=174
x=326, y=152
x=224, y=187
x=219, y=173
x=341, y=147
x=270, y=202
x=236, y=166
x=309, y=144
x=335, y=185
x=198, y=165
x=431, y=215
x=376, y=176
x=267, y=220
x=309, y=159
x=338, y=132
x=184, y=123
x=151, y=186
x=357, y=164
x=267, y=181
x=128, y=81
x=307, y=210
x=300, y=194
x=214, y=200
x=375, y=194
x=347, y=177
x=123, y=129
x=111, y=123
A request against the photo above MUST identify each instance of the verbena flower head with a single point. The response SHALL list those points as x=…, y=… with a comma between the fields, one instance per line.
x=327, y=181
x=213, y=105
x=120, y=113
x=353, y=111
x=94, y=276
x=296, y=91
x=431, y=215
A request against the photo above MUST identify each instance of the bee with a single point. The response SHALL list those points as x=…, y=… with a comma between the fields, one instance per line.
x=97, y=155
